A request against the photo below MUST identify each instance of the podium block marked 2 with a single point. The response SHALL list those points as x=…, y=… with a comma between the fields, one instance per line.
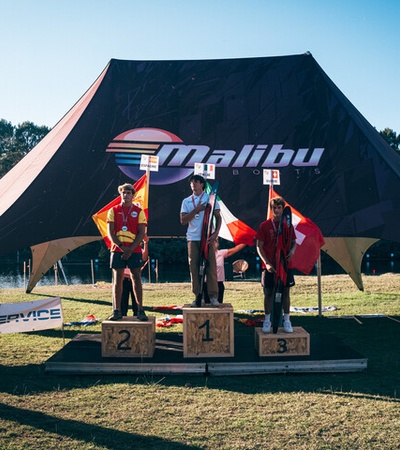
x=128, y=338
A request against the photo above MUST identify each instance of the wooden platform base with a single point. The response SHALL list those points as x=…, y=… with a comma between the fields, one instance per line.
x=82, y=356
x=128, y=338
x=282, y=344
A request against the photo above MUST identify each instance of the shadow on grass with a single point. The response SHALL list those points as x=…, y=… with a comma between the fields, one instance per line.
x=69, y=332
x=79, y=300
x=31, y=379
x=73, y=429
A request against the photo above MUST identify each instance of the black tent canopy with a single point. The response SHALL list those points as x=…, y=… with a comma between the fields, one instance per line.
x=243, y=115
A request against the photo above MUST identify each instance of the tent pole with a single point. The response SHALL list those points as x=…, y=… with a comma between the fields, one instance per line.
x=319, y=286
x=55, y=274
x=92, y=270
x=24, y=274
x=62, y=271
x=63, y=334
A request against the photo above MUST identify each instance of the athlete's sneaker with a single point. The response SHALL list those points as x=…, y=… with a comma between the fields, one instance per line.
x=194, y=303
x=214, y=302
x=266, y=326
x=141, y=315
x=287, y=326
x=117, y=315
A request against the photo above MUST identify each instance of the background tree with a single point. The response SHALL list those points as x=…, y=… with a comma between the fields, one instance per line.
x=391, y=138
x=17, y=141
x=6, y=137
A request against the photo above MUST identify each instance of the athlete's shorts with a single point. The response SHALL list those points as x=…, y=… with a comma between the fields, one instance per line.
x=268, y=279
x=133, y=262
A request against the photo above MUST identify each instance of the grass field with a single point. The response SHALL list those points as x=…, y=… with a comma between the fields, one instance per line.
x=308, y=411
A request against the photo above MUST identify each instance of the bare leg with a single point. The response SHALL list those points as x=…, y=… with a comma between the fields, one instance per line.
x=118, y=278
x=286, y=301
x=268, y=300
x=136, y=275
x=287, y=326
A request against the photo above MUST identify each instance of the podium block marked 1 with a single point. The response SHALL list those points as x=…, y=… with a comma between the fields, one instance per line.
x=282, y=344
x=208, y=331
x=128, y=338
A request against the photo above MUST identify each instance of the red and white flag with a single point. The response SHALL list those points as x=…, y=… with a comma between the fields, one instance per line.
x=232, y=229
x=309, y=239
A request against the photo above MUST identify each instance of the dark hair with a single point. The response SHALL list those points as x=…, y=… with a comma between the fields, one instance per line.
x=126, y=187
x=277, y=201
x=197, y=178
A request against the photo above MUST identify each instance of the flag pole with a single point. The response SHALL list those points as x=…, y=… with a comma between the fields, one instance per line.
x=147, y=188
x=269, y=200
x=319, y=285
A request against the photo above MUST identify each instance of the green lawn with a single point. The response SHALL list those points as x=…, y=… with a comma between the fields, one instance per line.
x=308, y=411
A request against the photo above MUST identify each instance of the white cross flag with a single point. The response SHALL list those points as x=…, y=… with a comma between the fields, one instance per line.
x=271, y=176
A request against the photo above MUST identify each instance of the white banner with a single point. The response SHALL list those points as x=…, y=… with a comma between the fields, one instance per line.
x=30, y=316
x=149, y=162
x=271, y=176
x=207, y=171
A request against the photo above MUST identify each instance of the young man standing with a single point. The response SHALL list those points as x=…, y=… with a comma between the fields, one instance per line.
x=127, y=284
x=267, y=239
x=192, y=215
x=126, y=226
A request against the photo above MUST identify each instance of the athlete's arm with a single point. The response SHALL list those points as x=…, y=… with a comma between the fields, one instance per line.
x=263, y=256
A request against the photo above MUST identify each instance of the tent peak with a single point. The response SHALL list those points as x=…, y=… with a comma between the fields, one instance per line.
x=216, y=59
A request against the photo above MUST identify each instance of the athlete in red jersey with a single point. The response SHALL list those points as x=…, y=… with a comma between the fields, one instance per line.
x=126, y=226
x=266, y=247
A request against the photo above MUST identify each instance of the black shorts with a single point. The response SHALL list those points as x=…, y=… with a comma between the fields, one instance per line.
x=268, y=279
x=133, y=262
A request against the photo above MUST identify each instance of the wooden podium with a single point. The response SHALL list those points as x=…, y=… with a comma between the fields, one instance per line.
x=128, y=338
x=208, y=331
x=282, y=344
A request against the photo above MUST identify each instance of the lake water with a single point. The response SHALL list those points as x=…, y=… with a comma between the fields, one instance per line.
x=12, y=275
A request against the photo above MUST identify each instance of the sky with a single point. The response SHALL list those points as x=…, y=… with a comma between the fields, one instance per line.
x=52, y=51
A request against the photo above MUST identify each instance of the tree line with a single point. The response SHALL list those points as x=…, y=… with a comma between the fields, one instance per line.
x=18, y=141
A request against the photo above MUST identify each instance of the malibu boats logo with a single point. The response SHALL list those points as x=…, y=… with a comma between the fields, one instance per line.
x=177, y=159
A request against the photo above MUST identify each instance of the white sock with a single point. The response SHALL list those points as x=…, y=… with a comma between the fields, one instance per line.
x=267, y=317
x=286, y=317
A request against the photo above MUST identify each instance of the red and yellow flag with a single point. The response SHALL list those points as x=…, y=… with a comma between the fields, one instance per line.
x=141, y=199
